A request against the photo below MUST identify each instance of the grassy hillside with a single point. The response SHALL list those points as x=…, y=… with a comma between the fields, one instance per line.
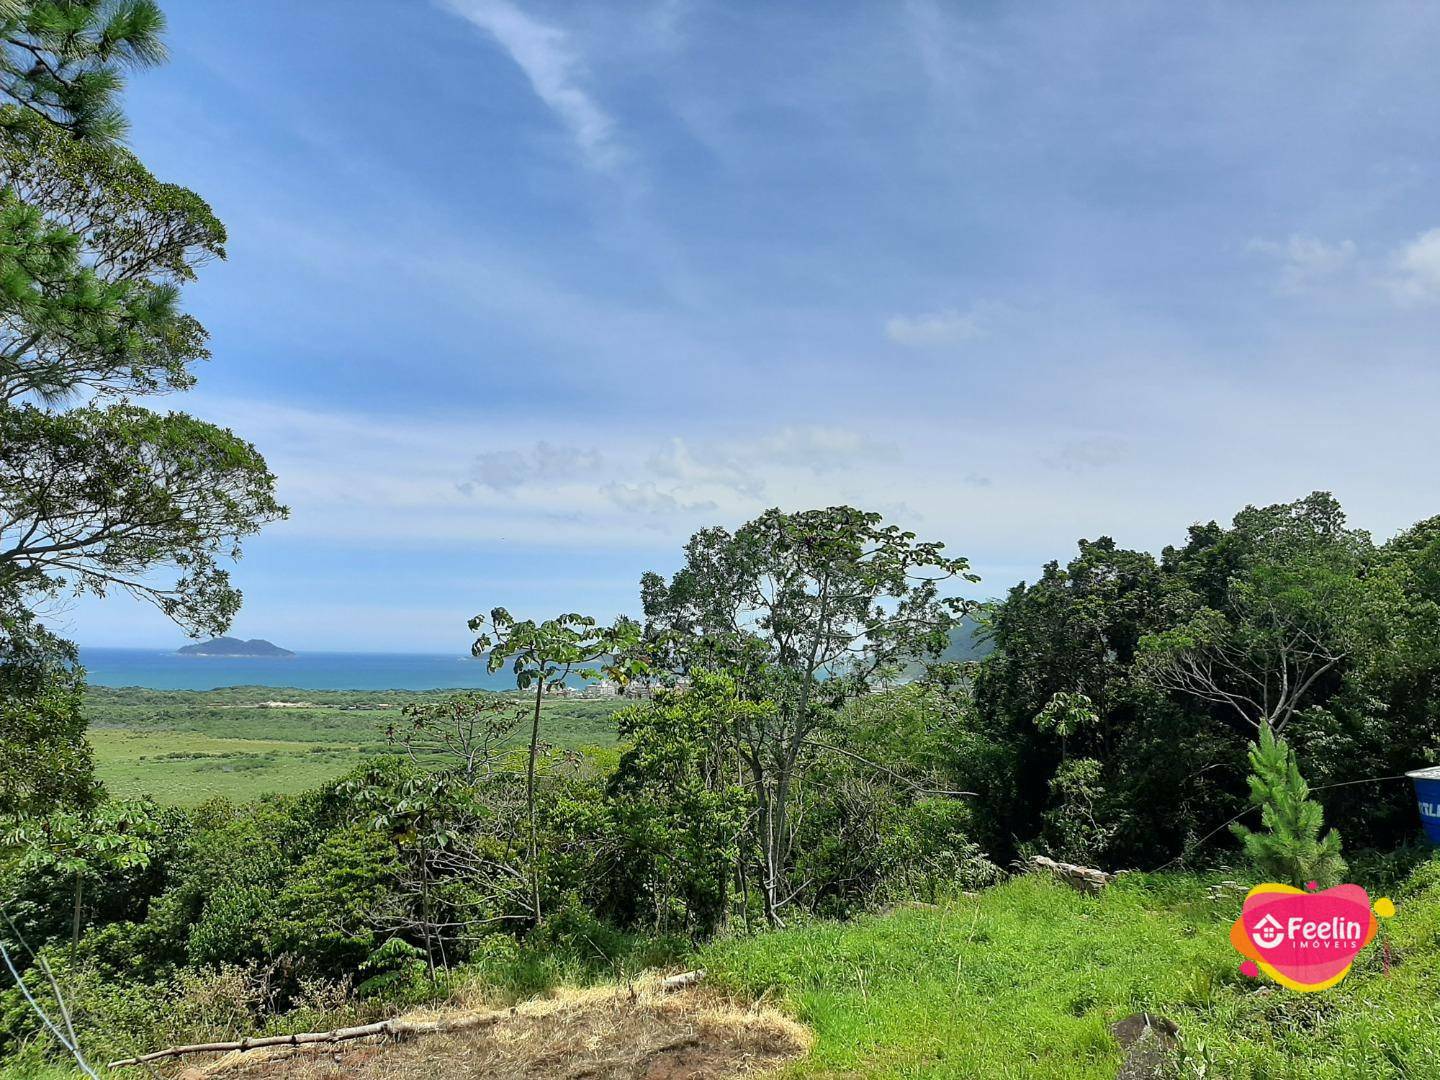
x=1017, y=982
x=185, y=746
x=1024, y=980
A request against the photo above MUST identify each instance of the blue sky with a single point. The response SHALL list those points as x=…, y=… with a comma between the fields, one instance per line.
x=521, y=294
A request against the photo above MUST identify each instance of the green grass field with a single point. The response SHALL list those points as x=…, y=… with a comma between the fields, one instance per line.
x=184, y=768
x=183, y=747
x=1025, y=979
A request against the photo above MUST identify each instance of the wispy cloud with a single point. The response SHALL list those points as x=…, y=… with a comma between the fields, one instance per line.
x=1417, y=270
x=647, y=498
x=740, y=466
x=681, y=463
x=555, y=70
x=1087, y=454
x=1408, y=275
x=1306, y=261
x=725, y=216
x=947, y=327
x=505, y=470
x=821, y=449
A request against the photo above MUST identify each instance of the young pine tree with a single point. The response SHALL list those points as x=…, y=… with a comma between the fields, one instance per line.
x=1289, y=849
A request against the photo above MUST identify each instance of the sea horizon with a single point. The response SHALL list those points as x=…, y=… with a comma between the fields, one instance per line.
x=166, y=669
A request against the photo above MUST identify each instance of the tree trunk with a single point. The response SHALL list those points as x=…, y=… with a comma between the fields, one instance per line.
x=75, y=917
x=426, y=921
x=776, y=820
x=530, y=801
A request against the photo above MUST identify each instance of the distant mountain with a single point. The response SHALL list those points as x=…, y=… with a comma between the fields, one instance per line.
x=229, y=646
x=967, y=642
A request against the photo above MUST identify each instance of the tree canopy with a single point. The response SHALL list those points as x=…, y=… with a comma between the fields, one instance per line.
x=804, y=608
x=94, y=251
x=64, y=60
x=99, y=498
x=96, y=492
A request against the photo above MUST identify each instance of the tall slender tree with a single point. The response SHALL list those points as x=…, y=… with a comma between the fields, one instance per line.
x=542, y=656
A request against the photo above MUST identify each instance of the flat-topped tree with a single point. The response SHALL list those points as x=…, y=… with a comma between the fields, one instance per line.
x=542, y=656
x=804, y=609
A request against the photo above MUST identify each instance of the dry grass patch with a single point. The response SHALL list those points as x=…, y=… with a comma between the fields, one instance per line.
x=604, y=1033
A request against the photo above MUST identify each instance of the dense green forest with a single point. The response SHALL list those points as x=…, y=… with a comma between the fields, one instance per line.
x=824, y=785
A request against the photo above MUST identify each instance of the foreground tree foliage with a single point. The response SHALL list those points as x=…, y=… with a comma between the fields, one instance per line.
x=45, y=761
x=96, y=251
x=95, y=499
x=1295, y=603
x=96, y=492
x=681, y=808
x=93, y=251
x=542, y=656
x=1287, y=617
x=63, y=60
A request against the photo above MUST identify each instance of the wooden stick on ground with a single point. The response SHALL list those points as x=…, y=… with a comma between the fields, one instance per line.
x=398, y=1029
x=681, y=981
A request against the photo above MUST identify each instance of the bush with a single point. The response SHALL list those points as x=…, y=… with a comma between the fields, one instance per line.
x=1290, y=849
x=675, y=813
x=327, y=914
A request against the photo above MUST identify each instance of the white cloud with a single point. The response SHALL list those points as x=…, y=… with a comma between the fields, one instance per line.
x=708, y=466
x=505, y=470
x=738, y=466
x=948, y=327
x=1410, y=274
x=544, y=53
x=1417, y=264
x=1083, y=455
x=647, y=498
x=1306, y=261
x=820, y=449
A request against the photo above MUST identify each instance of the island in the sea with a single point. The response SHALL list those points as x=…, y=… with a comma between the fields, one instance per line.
x=229, y=646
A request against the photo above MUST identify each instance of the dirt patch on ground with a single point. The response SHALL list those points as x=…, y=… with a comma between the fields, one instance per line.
x=598, y=1034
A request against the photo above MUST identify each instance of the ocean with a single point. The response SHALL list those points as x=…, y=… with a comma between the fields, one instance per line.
x=157, y=669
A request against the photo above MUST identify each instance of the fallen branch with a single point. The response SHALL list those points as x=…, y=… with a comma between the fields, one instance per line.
x=397, y=1029
x=684, y=979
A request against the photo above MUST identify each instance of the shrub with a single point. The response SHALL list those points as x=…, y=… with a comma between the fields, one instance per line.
x=1290, y=849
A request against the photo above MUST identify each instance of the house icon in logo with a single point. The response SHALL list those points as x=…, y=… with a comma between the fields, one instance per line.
x=1268, y=932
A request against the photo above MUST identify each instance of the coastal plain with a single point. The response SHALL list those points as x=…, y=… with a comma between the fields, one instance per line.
x=182, y=747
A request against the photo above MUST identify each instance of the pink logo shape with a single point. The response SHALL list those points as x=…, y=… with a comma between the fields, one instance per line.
x=1306, y=941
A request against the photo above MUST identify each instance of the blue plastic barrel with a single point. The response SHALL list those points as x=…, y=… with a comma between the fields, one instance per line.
x=1427, y=793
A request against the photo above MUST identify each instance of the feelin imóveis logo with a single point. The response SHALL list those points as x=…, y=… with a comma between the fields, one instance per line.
x=1305, y=940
